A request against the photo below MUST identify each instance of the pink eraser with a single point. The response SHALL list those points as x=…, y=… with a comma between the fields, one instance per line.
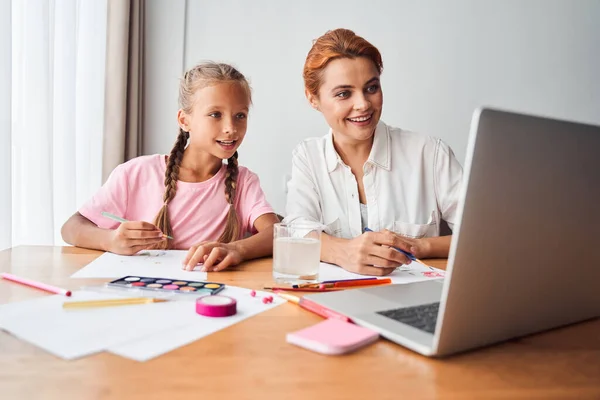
x=333, y=336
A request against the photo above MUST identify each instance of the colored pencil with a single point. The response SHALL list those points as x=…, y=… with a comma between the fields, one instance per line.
x=348, y=283
x=313, y=307
x=289, y=297
x=332, y=286
x=407, y=254
x=366, y=282
x=121, y=220
x=112, y=302
x=291, y=289
x=34, y=284
x=334, y=281
x=422, y=263
x=351, y=280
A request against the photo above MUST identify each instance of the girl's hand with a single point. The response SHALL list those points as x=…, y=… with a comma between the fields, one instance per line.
x=215, y=256
x=372, y=253
x=133, y=236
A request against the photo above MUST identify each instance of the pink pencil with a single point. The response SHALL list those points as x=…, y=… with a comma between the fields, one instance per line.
x=37, y=285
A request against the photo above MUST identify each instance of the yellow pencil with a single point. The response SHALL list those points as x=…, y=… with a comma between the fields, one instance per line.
x=288, y=297
x=111, y=302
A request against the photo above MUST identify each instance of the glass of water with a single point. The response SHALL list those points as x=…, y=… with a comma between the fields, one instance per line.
x=296, y=252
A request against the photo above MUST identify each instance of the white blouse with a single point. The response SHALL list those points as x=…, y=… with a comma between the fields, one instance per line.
x=412, y=182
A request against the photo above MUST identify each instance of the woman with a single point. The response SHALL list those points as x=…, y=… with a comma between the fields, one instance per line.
x=364, y=173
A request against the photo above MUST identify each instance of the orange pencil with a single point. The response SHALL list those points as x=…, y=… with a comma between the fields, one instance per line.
x=366, y=282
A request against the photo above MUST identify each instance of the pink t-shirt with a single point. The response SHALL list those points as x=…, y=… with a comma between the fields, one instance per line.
x=198, y=212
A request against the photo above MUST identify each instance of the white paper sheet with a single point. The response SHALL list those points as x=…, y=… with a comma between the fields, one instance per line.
x=150, y=263
x=73, y=333
x=165, y=341
x=414, y=272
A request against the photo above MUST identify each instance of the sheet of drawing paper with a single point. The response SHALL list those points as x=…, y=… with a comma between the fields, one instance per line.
x=414, y=272
x=150, y=263
x=162, y=342
x=73, y=333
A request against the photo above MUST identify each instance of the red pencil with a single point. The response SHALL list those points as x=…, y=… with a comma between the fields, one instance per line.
x=37, y=285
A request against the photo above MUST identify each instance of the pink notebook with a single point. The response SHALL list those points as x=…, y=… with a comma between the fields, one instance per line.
x=333, y=336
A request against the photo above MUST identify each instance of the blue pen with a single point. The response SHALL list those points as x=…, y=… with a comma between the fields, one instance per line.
x=406, y=253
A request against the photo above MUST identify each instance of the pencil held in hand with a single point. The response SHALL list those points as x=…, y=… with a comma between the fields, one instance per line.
x=121, y=220
x=422, y=263
x=407, y=254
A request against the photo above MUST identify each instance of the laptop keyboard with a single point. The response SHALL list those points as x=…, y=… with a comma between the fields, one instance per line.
x=422, y=317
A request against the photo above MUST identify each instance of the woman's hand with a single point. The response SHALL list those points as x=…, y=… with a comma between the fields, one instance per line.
x=420, y=248
x=215, y=256
x=133, y=236
x=373, y=253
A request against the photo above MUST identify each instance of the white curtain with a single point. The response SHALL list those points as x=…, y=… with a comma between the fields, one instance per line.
x=5, y=137
x=56, y=90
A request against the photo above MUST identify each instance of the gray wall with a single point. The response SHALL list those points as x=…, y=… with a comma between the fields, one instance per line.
x=441, y=60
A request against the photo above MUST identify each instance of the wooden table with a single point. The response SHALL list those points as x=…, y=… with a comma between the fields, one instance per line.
x=252, y=360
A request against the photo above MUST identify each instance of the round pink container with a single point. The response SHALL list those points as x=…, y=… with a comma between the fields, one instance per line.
x=216, y=306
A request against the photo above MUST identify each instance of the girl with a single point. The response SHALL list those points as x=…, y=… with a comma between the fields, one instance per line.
x=365, y=173
x=191, y=195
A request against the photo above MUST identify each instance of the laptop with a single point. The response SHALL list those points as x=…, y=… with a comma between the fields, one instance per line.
x=524, y=255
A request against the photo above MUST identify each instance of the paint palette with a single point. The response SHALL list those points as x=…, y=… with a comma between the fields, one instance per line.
x=166, y=285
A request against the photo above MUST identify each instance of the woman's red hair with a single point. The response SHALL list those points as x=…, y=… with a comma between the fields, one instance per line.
x=339, y=43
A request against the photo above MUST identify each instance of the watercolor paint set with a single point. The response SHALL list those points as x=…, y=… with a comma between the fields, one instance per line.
x=167, y=286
